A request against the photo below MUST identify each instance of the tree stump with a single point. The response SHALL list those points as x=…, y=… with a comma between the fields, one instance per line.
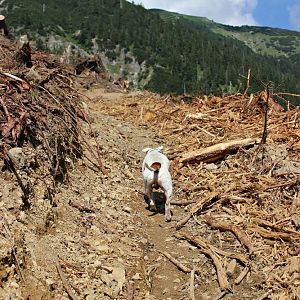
x=23, y=55
x=3, y=29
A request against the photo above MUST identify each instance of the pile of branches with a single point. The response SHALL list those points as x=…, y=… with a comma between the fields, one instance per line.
x=241, y=193
x=39, y=109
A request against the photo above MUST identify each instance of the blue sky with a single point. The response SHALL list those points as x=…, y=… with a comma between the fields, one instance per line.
x=271, y=13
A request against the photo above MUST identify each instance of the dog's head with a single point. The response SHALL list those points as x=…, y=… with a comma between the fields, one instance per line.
x=159, y=149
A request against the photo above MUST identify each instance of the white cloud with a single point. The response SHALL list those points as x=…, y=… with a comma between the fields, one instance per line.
x=294, y=16
x=231, y=12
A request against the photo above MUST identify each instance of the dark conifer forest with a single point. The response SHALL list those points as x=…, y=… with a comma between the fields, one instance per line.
x=182, y=55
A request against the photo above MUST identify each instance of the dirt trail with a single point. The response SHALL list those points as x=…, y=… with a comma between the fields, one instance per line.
x=146, y=234
x=124, y=142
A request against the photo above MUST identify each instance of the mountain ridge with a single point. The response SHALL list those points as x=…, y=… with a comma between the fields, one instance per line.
x=237, y=31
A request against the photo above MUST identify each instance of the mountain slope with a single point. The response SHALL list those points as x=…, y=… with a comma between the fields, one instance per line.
x=175, y=56
x=263, y=40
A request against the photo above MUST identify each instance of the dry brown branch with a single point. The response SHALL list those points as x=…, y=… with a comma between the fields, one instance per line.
x=266, y=108
x=221, y=273
x=192, y=285
x=178, y=264
x=229, y=227
x=65, y=282
x=217, y=152
x=240, y=257
x=286, y=94
x=268, y=224
x=274, y=235
x=183, y=221
x=67, y=265
x=242, y=275
x=283, y=184
x=198, y=207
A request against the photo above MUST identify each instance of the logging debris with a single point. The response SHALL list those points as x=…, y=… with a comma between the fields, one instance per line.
x=40, y=118
x=253, y=217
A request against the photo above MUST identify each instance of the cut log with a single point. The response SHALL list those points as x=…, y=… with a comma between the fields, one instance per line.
x=3, y=28
x=218, y=151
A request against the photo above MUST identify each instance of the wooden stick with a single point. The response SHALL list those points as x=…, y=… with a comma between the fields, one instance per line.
x=274, y=235
x=200, y=205
x=66, y=264
x=183, y=221
x=202, y=242
x=268, y=224
x=192, y=285
x=242, y=276
x=80, y=207
x=286, y=183
x=65, y=282
x=178, y=264
x=229, y=227
x=221, y=274
x=221, y=295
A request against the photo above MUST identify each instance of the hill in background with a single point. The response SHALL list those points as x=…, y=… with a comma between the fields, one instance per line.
x=162, y=51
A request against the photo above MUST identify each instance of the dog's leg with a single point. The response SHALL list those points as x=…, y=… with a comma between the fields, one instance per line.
x=146, y=197
x=152, y=205
x=149, y=196
x=168, y=194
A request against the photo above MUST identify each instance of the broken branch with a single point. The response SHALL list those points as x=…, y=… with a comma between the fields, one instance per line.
x=199, y=206
x=229, y=227
x=221, y=274
x=65, y=282
x=178, y=264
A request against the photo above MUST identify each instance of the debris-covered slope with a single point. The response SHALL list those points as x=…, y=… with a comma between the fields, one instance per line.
x=245, y=215
x=83, y=231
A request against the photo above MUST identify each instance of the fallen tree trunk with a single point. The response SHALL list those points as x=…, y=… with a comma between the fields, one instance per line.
x=218, y=151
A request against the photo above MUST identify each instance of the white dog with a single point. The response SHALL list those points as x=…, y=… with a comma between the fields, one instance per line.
x=156, y=174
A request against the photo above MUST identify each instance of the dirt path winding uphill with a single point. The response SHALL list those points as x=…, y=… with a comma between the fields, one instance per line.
x=151, y=275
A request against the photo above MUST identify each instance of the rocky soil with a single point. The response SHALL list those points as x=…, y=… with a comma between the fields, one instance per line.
x=95, y=239
x=97, y=232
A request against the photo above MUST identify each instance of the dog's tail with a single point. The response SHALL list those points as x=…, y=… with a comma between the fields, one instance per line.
x=155, y=167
